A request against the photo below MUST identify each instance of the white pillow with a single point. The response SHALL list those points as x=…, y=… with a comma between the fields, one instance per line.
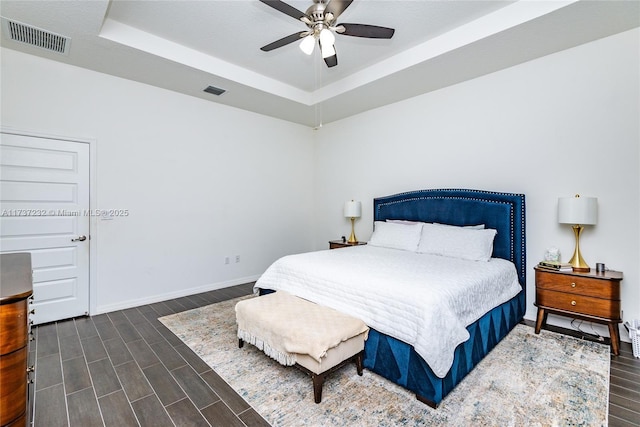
x=474, y=227
x=404, y=221
x=457, y=242
x=396, y=236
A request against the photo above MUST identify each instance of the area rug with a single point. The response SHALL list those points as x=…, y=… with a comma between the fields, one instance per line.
x=527, y=380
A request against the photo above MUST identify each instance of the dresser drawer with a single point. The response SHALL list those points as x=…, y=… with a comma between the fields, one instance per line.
x=579, y=304
x=13, y=326
x=607, y=289
x=20, y=422
x=13, y=394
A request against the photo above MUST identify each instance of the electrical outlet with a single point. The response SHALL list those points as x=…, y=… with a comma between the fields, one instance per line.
x=226, y=260
x=237, y=258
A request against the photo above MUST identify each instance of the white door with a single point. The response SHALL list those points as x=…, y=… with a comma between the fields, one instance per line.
x=44, y=209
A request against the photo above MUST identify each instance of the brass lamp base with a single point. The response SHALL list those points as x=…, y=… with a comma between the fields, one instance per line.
x=576, y=261
x=352, y=237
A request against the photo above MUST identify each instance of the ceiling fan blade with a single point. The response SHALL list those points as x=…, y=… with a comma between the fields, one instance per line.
x=331, y=61
x=336, y=7
x=363, y=30
x=283, y=41
x=284, y=8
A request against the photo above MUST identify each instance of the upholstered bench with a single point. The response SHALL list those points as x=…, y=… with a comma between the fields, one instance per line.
x=298, y=332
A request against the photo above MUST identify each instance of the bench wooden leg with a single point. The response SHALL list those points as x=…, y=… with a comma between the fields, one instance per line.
x=359, y=358
x=318, y=381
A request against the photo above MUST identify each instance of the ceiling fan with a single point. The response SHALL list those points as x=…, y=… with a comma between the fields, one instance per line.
x=320, y=18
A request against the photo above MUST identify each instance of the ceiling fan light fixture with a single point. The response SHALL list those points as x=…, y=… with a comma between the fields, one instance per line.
x=326, y=37
x=327, y=50
x=307, y=44
x=320, y=19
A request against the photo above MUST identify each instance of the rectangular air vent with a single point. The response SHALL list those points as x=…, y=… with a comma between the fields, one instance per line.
x=215, y=90
x=37, y=37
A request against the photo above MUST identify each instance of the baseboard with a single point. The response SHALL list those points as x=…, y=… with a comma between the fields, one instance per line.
x=171, y=295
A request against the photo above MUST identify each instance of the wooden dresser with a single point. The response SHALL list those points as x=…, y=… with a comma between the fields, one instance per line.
x=590, y=296
x=15, y=295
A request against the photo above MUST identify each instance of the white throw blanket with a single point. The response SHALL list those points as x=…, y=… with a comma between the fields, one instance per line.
x=424, y=300
x=283, y=325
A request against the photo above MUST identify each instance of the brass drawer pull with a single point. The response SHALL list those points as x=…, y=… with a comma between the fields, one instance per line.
x=573, y=303
x=573, y=285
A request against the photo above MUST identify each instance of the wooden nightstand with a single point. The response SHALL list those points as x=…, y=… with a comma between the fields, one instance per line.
x=336, y=244
x=591, y=296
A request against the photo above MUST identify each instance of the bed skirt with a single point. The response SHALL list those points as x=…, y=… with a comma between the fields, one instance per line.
x=399, y=362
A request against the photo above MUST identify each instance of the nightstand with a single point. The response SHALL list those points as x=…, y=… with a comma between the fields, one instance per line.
x=590, y=296
x=336, y=244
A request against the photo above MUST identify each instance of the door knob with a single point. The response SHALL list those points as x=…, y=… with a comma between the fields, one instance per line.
x=79, y=239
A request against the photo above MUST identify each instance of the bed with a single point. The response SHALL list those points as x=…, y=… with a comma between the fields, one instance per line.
x=403, y=356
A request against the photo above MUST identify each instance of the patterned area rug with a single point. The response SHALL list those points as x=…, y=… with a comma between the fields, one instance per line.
x=527, y=380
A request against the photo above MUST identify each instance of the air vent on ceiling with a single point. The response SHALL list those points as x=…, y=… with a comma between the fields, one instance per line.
x=33, y=36
x=215, y=90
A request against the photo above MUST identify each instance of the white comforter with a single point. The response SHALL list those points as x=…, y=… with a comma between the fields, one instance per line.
x=424, y=300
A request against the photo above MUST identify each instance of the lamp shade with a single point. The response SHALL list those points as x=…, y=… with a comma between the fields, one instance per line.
x=352, y=209
x=578, y=210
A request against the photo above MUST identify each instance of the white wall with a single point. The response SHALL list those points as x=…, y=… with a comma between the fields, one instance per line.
x=201, y=181
x=202, y=184
x=564, y=124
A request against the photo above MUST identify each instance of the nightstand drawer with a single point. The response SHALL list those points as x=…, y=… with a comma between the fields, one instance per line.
x=598, y=307
x=607, y=289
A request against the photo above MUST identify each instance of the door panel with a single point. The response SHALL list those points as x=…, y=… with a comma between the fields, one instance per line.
x=54, y=264
x=44, y=204
x=55, y=291
x=37, y=156
x=16, y=228
x=38, y=192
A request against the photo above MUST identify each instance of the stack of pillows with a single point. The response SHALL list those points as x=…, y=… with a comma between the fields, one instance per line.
x=474, y=243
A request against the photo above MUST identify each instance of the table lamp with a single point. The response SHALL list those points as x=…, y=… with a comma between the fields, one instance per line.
x=578, y=211
x=352, y=210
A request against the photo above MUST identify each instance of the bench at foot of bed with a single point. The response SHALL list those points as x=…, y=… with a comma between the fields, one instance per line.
x=294, y=331
x=320, y=370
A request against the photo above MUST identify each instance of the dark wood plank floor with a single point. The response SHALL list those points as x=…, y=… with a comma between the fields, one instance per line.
x=127, y=369
x=624, y=389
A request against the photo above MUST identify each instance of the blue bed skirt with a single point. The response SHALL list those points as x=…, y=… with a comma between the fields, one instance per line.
x=409, y=370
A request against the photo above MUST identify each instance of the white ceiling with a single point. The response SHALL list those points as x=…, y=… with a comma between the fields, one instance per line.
x=186, y=46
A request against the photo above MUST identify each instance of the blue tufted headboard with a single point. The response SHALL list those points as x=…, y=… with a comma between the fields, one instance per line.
x=504, y=212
